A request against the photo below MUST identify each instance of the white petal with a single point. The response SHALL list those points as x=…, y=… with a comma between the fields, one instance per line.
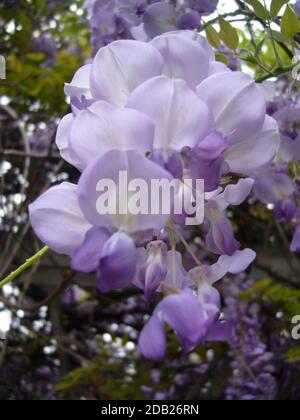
x=255, y=152
x=236, y=102
x=103, y=127
x=183, y=58
x=181, y=118
x=57, y=219
x=121, y=67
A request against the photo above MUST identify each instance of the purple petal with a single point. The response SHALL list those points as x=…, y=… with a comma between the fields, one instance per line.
x=86, y=259
x=152, y=341
x=177, y=277
x=199, y=39
x=155, y=269
x=208, y=170
x=169, y=102
x=103, y=127
x=211, y=147
x=285, y=211
x=234, y=194
x=256, y=152
x=154, y=276
x=205, y=6
x=159, y=18
x=80, y=84
x=121, y=67
x=57, y=219
x=229, y=96
x=118, y=263
x=184, y=58
x=234, y=264
x=189, y=20
x=137, y=167
x=217, y=67
x=272, y=187
x=62, y=137
x=297, y=7
x=184, y=313
x=172, y=162
x=295, y=245
x=220, y=238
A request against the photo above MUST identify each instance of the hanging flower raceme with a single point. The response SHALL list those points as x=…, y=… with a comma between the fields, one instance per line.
x=193, y=312
x=277, y=185
x=111, y=20
x=163, y=111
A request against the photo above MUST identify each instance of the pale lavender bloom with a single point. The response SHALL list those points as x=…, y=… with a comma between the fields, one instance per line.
x=170, y=100
x=297, y=7
x=272, y=186
x=111, y=20
x=176, y=75
x=152, y=268
x=159, y=269
x=194, y=317
x=285, y=211
x=220, y=238
x=253, y=365
x=193, y=322
x=295, y=245
x=97, y=242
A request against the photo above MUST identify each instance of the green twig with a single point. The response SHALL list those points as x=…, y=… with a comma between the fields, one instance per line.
x=224, y=16
x=184, y=242
x=24, y=267
x=275, y=73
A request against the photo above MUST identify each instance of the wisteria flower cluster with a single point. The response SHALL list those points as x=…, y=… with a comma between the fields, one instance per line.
x=143, y=19
x=278, y=185
x=163, y=109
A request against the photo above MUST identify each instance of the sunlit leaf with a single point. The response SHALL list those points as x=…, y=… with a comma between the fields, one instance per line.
x=258, y=8
x=228, y=34
x=276, y=6
x=290, y=23
x=213, y=37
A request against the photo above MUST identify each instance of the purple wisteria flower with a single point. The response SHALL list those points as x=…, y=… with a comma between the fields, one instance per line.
x=278, y=184
x=143, y=19
x=159, y=110
x=297, y=7
x=193, y=314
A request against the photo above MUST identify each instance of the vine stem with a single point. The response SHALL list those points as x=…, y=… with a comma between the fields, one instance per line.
x=24, y=267
x=275, y=73
x=184, y=242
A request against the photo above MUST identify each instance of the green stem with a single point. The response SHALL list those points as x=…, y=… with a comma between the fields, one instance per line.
x=269, y=29
x=184, y=242
x=275, y=73
x=24, y=267
x=224, y=16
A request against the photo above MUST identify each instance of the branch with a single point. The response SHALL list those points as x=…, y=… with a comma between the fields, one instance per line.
x=66, y=280
x=24, y=266
x=279, y=71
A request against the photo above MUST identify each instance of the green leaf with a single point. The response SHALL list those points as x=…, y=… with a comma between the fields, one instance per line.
x=276, y=6
x=228, y=34
x=259, y=9
x=213, y=37
x=290, y=23
x=293, y=355
x=222, y=58
x=36, y=57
